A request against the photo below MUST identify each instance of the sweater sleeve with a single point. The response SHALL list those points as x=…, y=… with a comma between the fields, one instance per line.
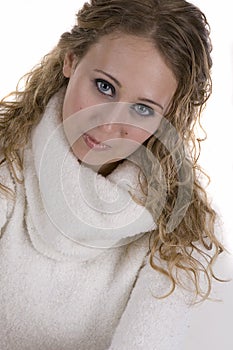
x=6, y=204
x=150, y=323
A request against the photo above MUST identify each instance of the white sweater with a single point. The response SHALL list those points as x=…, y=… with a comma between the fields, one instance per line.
x=74, y=270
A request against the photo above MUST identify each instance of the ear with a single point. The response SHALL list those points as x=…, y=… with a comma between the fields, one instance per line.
x=68, y=64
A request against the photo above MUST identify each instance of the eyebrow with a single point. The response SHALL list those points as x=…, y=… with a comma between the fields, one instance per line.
x=119, y=84
x=151, y=101
x=109, y=75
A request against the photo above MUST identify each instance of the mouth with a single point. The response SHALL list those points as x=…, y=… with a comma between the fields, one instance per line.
x=92, y=143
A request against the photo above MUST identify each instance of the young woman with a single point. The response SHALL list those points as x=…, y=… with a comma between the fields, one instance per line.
x=106, y=228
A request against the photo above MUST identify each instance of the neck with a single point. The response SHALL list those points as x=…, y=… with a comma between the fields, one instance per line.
x=105, y=169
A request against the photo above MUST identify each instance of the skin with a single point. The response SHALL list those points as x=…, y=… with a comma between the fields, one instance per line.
x=115, y=99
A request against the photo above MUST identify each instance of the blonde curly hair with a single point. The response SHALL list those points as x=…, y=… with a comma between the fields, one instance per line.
x=181, y=33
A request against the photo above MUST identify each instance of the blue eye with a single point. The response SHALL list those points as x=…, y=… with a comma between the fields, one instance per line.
x=143, y=110
x=104, y=87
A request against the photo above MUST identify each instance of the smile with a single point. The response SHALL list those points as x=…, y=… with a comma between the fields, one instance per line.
x=92, y=143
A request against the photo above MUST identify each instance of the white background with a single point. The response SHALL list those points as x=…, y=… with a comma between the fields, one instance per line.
x=30, y=29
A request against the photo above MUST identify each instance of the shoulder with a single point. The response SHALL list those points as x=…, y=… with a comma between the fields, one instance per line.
x=156, y=285
x=149, y=322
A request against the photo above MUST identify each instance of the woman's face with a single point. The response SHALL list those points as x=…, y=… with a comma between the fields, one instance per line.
x=116, y=95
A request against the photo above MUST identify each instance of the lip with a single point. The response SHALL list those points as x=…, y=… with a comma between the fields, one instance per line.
x=92, y=143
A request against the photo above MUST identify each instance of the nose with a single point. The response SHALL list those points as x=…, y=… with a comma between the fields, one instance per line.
x=116, y=129
x=114, y=119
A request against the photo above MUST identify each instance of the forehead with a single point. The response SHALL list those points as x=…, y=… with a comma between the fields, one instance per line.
x=124, y=48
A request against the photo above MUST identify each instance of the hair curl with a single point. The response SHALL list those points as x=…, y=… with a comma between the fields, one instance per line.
x=181, y=33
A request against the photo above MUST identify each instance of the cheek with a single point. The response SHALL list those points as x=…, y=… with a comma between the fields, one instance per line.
x=75, y=99
x=142, y=129
x=139, y=135
x=72, y=104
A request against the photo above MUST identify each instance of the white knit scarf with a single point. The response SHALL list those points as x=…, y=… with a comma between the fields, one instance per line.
x=71, y=210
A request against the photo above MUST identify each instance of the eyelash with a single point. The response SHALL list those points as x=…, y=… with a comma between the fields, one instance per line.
x=110, y=86
x=149, y=110
x=135, y=107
